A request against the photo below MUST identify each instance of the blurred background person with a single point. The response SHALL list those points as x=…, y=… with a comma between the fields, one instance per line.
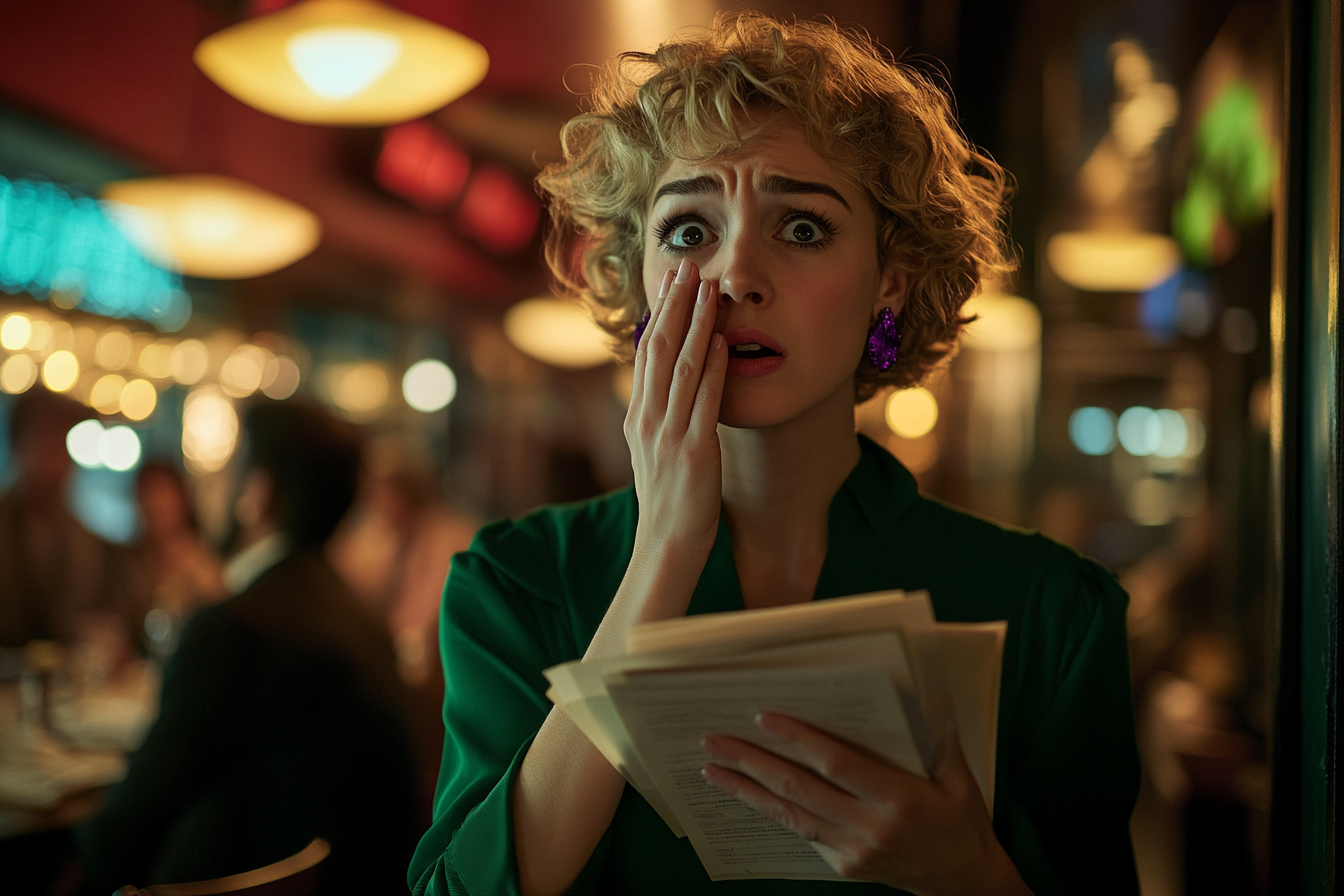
x=395, y=551
x=181, y=572
x=282, y=714
x=58, y=581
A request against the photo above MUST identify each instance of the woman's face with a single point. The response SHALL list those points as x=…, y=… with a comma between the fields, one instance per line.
x=793, y=248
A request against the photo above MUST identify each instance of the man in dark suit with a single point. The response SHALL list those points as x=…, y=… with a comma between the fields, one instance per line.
x=282, y=715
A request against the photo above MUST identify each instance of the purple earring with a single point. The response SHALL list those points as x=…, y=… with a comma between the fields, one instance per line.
x=884, y=340
x=639, y=328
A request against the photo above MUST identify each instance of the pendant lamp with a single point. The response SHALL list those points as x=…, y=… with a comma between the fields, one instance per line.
x=1113, y=261
x=557, y=332
x=342, y=62
x=210, y=226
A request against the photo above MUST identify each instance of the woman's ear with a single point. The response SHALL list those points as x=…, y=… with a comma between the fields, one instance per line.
x=893, y=290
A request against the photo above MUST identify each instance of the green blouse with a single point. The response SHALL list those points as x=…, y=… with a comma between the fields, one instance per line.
x=529, y=594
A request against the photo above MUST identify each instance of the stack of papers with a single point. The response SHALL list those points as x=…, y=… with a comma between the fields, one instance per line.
x=875, y=670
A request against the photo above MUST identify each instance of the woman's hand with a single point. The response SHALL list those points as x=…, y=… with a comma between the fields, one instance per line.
x=869, y=820
x=672, y=423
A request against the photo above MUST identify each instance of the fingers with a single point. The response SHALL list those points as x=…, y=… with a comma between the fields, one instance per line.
x=690, y=364
x=836, y=761
x=709, y=397
x=641, y=347
x=805, y=824
x=785, y=781
x=664, y=336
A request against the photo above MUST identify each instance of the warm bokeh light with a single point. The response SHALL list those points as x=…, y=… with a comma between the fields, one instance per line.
x=105, y=397
x=209, y=430
x=349, y=62
x=42, y=339
x=559, y=333
x=156, y=359
x=911, y=413
x=189, y=361
x=60, y=371
x=358, y=388
x=281, y=378
x=18, y=374
x=1106, y=261
x=119, y=448
x=210, y=226
x=429, y=385
x=1195, y=434
x=623, y=383
x=139, y=399
x=241, y=373
x=1004, y=323
x=1092, y=431
x=82, y=443
x=113, y=349
x=15, y=331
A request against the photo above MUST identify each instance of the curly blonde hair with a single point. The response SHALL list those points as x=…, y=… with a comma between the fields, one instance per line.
x=882, y=125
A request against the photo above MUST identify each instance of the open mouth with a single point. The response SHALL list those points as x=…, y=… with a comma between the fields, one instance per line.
x=751, y=350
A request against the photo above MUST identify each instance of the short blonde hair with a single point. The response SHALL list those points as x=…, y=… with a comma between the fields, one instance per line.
x=882, y=125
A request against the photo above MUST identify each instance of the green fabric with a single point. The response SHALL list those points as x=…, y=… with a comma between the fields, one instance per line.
x=530, y=593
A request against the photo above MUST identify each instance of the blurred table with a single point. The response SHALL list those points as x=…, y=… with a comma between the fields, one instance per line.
x=52, y=775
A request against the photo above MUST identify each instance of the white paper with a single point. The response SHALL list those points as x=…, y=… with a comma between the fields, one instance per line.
x=667, y=713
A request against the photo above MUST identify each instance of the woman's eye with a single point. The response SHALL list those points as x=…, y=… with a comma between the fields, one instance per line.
x=803, y=231
x=689, y=235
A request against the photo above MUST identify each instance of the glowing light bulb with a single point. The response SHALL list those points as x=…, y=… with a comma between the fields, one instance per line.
x=429, y=385
x=338, y=63
x=119, y=448
x=82, y=443
x=138, y=399
x=18, y=374
x=15, y=331
x=60, y=371
x=911, y=413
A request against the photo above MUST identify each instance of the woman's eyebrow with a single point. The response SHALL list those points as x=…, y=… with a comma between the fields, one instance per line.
x=691, y=186
x=776, y=184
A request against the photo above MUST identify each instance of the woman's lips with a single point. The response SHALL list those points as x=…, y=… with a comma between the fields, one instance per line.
x=741, y=363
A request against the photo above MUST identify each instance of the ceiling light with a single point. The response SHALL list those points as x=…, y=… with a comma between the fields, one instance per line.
x=210, y=226
x=1112, y=261
x=350, y=62
x=557, y=332
x=429, y=385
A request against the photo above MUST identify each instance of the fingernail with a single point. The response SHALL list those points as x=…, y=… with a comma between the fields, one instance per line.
x=710, y=745
x=684, y=270
x=716, y=343
x=702, y=296
x=666, y=284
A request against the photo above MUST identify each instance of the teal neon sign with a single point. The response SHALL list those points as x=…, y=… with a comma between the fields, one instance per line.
x=52, y=242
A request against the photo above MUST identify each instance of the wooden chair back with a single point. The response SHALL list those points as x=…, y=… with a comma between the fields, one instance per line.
x=293, y=876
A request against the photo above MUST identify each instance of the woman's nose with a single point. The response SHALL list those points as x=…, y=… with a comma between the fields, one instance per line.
x=743, y=271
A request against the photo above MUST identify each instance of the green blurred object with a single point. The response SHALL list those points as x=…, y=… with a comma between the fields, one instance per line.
x=1231, y=176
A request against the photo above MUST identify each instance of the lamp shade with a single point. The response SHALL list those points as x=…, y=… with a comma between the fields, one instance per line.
x=557, y=332
x=1112, y=261
x=346, y=62
x=210, y=226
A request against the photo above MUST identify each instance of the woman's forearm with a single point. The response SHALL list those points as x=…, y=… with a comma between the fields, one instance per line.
x=567, y=793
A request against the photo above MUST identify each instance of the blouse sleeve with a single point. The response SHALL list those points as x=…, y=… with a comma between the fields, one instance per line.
x=496, y=638
x=1066, y=820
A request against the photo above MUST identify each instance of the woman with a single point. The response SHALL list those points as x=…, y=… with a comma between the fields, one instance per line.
x=783, y=221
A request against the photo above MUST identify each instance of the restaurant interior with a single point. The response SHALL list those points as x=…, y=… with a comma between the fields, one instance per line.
x=199, y=213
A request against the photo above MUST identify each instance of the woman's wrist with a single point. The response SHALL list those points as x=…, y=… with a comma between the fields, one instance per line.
x=658, y=584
